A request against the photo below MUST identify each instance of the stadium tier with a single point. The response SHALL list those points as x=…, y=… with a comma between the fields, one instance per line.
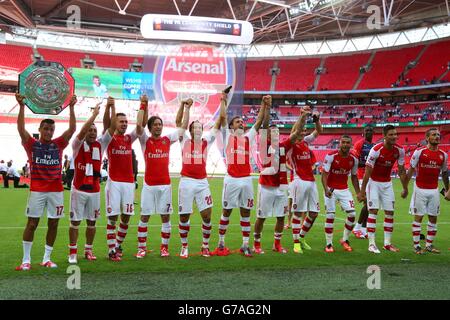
x=15, y=57
x=257, y=75
x=296, y=75
x=354, y=114
x=342, y=72
x=432, y=64
x=387, y=67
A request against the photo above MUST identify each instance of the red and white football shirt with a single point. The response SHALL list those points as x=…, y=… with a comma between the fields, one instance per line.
x=382, y=160
x=339, y=168
x=45, y=164
x=120, y=157
x=237, y=151
x=156, y=155
x=194, y=155
x=273, y=173
x=300, y=156
x=428, y=164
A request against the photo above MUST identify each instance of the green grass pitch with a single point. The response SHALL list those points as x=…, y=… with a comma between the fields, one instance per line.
x=313, y=275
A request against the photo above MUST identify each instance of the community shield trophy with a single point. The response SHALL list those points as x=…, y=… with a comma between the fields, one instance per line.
x=47, y=87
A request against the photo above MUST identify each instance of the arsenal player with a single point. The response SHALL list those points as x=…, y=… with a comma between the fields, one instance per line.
x=427, y=162
x=305, y=194
x=378, y=185
x=238, y=185
x=119, y=190
x=272, y=198
x=156, y=196
x=85, y=191
x=337, y=166
x=361, y=149
x=193, y=182
x=46, y=190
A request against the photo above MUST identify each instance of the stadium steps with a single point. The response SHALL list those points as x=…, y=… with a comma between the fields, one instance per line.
x=316, y=81
x=274, y=76
x=443, y=74
x=406, y=70
x=361, y=76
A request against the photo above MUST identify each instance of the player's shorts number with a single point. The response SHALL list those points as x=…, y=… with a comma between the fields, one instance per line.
x=129, y=208
x=59, y=210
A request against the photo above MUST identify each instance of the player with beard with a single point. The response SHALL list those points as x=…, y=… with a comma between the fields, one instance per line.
x=378, y=186
x=427, y=162
x=119, y=190
x=85, y=192
x=193, y=182
x=238, y=185
x=337, y=166
x=305, y=195
x=273, y=184
x=156, y=196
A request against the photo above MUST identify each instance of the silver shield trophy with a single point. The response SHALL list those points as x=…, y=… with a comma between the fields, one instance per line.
x=47, y=87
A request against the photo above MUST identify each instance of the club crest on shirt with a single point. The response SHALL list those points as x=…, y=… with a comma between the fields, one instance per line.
x=193, y=71
x=441, y=157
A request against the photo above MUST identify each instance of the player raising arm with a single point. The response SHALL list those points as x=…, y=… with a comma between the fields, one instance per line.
x=305, y=195
x=272, y=187
x=237, y=184
x=156, y=196
x=46, y=190
x=85, y=191
x=193, y=183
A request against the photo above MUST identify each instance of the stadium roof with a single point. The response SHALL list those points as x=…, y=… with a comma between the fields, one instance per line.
x=274, y=21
